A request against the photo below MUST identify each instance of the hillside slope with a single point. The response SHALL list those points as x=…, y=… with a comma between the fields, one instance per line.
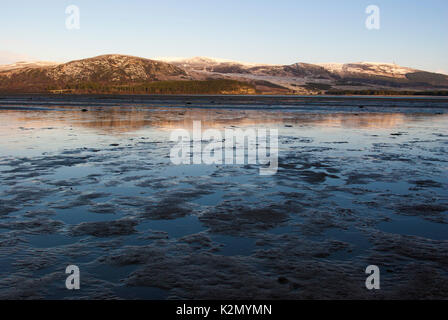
x=128, y=74
x=106, y=70
x=314, y=78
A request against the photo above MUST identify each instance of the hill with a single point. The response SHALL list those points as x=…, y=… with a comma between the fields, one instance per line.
x=101, y=70
x=128, y=74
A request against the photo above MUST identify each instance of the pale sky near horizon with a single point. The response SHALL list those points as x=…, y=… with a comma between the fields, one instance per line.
x=412, y=33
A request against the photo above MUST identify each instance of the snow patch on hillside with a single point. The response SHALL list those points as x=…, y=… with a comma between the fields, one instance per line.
x=207, y=61
x=369, y=68
x=27, y=64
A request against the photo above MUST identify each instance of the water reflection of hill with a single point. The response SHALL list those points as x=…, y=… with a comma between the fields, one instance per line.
x=116, y=120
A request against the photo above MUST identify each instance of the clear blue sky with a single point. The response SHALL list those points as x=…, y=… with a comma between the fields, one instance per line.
x=413, y=32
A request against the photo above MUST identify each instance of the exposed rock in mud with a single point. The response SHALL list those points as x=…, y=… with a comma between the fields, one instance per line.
x=342, y=280
x=423, y=283
x=431, y=212
x=413, y=247
x=39, y=259
x=82, y=200
x=39, y=213
x=5, y=210
x=315, y=177
x=362, y=178
x=199, y=240
x=155, y=235
x=10, y=241
x=36, y=226
x=26, y=287
x=224, y=277
x=134, y=201
x=105, y=228
x=26, y=194
x=105, y=208
x=236, y=220
x=317, y=222
x=133, y=255
x=221, y=278
x=168, y=209
x=426, y=183
x=296, y=247
x=85, y=197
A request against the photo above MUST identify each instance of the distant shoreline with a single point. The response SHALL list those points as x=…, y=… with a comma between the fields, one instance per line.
x=415, y=95
x=212, y=100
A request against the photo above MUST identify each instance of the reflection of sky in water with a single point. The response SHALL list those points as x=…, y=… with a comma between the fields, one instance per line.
x=175, y=228
x=416, y=227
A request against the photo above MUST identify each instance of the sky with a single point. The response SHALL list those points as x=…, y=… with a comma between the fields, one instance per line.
x=412, y=33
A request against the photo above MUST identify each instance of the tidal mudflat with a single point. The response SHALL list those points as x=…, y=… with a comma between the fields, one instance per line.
x=88, y=181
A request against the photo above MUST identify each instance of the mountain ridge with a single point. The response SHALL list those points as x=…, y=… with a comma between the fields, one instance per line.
x=115, y=70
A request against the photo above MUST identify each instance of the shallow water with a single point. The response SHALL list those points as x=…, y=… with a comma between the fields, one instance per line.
x=360, y=182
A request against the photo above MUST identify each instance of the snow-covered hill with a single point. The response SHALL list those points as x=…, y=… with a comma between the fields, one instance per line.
x=299, y=78
x=203, y=62
x=369, y=68
x=27, y=64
